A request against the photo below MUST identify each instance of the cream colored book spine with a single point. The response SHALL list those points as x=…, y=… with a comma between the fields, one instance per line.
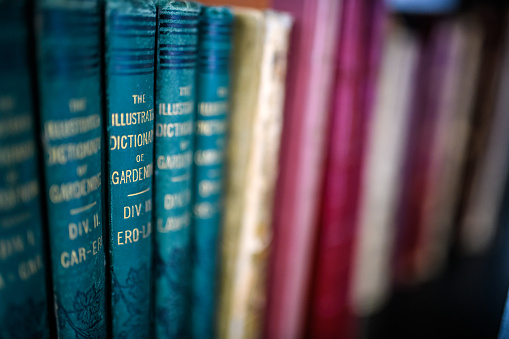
x=256, y=122
x=381, y=174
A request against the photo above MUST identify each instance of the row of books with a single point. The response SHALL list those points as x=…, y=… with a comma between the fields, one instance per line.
x=117, y=112
x=394, y=153
x=186, y=195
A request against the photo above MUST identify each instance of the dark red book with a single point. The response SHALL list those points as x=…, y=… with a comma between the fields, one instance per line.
x=361, y=25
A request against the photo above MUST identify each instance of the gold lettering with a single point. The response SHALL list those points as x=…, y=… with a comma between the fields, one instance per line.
x=177, y=108
x=75, y=189
x=173, y=223
x=132, y=175
x=208, y=157
x=175, y=161
x=213, y=108
x=131, y=140
x=64, y=153
x=30, y=267
x=61, y=129
x=181, y=199
x=17, y=153
x=176, y=129
x=77, y=105
x=210, y=127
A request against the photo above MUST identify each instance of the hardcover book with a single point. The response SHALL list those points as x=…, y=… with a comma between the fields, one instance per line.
x=175, y=107
x=306, y=113
x=130, y=46
x=68, y=51
x=258, y=82
x=212, y=96
x=22, y=264
x=417, y=153
x=486, y=171
x=371, y=277
x=329, y=313
x=458, y=77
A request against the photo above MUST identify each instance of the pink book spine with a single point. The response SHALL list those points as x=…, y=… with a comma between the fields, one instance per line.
x=310, y=70
x=329, y=315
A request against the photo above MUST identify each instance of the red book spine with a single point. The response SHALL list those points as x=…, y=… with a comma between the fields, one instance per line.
x=330, y=315
x=310, y=70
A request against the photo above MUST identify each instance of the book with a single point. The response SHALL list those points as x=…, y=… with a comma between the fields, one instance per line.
x=22, y=260
x=258, y=82
x=212, y=96
x=311, y=66
x=458, y=77
x=371, y=276
x=68, y=36
x=486, y=171
x=175, y=109
x=130, y=55
x=329, y=312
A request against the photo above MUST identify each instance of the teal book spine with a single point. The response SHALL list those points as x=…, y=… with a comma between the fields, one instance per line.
x=175, y=107
x=22, y=268
x=68, y=36
x=130, y=46
x=213, y=81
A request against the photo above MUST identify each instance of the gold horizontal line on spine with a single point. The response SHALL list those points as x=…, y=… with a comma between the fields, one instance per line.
x=144, y=191
x=75, y=211
x=180, y=178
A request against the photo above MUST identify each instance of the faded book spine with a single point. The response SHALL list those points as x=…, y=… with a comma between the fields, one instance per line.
x=130, y=46
x=175, y=107
x=22, y=269
x=212, y=97
x=68, y=37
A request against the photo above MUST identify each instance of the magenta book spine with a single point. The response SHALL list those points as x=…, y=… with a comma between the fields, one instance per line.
x=309, y=86
x=330, y=316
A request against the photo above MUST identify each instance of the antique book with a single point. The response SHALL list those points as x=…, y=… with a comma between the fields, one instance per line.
x=456, y=78
x=22, y=264
x=330, y=314
x=487, y=152
x=258, y=83
x=174, y=126
x=212, y=96
x=382, y=168
x=70, y=95
x=416, y=161
x=309, y=87
x=130, y=47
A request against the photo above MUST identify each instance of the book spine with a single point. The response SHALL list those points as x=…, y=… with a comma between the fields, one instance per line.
x=248, y=39
x=310, y=74
x=22, y=268
x=417, y=159
x=213, y=86
x=379, y=189
x=329, y=314
x=175, y=107
x=68, y=36
x=130, y=47
x=246, y=294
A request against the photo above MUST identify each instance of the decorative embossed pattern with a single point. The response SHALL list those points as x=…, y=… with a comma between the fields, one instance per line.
x=68, y=37
x=130, y=46
x=175, y=103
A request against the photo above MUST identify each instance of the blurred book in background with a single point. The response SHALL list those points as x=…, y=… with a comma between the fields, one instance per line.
x=382, y=169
